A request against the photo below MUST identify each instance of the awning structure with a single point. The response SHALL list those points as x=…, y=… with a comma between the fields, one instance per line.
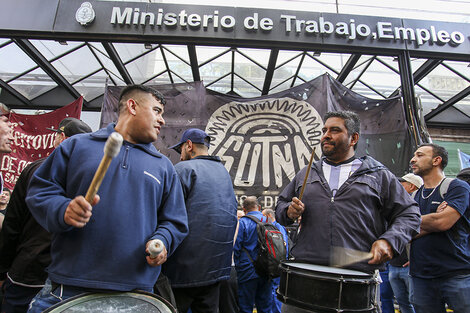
x=50, y=67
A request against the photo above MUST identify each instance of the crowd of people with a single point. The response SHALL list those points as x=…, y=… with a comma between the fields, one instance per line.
x=54, y=244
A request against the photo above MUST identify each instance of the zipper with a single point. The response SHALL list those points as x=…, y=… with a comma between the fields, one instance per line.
x=126, y=157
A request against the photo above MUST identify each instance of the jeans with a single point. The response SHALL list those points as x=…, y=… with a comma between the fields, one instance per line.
x=400, y=280
x=386, y=293
x=49, y=296
x=255, y=291
x=431, y=295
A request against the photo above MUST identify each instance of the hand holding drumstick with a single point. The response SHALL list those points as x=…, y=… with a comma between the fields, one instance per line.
x=295, y=209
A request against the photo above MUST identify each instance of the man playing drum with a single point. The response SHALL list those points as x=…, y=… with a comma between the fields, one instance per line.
x=349, y=202
x=100, y=245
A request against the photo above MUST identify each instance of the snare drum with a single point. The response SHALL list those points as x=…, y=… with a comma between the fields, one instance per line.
x=327, y=289
x=122, y=302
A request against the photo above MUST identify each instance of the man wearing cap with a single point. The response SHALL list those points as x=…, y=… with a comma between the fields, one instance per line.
x=398, y=275
x=411, y=182
x=204, y=258
x=24, y=244
x=68, y=127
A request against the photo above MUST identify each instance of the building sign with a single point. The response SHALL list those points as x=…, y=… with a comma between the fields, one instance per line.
x=198, y=24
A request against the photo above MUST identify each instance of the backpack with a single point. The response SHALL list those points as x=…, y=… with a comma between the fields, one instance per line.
x=271, y=249
x=442, y=188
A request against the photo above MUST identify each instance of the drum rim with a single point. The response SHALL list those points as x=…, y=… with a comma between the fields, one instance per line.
x=111, y=293
x=345, y=272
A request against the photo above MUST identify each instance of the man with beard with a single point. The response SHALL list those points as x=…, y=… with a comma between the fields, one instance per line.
x=349, y=202
x=440, y=254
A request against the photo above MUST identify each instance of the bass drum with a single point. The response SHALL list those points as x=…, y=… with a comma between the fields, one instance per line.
x=122, y=302
x=327, y=289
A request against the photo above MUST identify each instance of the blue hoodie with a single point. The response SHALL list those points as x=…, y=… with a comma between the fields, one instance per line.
x=140, y=199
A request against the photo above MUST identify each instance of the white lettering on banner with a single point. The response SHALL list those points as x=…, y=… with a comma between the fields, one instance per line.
x=349, y=30
x=264, y=143
x=36, y=142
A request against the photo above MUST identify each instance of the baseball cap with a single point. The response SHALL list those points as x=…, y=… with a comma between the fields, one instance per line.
x=195, y=135
x=72, y=126
x=412, y=179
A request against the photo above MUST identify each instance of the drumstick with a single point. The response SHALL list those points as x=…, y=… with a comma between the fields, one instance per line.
x=341, y=257
x=111, y=149
x=306, y=174
x=155, y=247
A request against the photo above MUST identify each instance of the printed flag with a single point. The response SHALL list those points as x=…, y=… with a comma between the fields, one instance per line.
x=464, y=159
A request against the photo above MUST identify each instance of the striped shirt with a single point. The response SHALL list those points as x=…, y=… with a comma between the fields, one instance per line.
x=337, y=175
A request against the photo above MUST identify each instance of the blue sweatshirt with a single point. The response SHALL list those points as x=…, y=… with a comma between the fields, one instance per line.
x=140, y=199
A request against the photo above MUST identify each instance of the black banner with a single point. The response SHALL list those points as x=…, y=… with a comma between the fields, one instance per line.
x=265, y=141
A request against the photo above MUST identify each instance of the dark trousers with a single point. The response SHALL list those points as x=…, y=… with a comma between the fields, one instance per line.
x=202, y=299
x=228, y=300
x=16, y=298
x=257, y=291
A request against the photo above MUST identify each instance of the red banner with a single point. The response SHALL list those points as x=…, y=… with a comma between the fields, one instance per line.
x=32, y=140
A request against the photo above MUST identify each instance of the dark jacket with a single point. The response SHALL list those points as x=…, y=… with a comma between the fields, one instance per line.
x=205, y=255
x=370, y=205
x=24, y=244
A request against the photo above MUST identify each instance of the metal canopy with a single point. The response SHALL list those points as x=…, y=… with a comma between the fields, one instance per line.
x=48, y=74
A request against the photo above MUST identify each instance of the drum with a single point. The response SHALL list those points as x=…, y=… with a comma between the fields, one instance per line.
x=122, y=302
x=327, y=289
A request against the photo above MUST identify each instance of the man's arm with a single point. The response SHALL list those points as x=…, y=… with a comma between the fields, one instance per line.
x=455, y=204
x=237, y=247
x=401, y=213
x=284, y=202
x=46, y=196
x=172, y=225
x=440, y=221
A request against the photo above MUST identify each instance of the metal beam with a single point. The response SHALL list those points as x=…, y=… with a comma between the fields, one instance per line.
x=15, y=93
x=464, y=93
x=425, y=69
x=302, y=58
x=420, y=73
x=166, y=65
x=409, y=98
x=362, y=72
x=348, y=67
x=193, y=61
x=268, y=78
x=46, y=66
x=114, y=56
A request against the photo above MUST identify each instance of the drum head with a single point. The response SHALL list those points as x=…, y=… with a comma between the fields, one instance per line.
x=326, y=269
x=123, y=302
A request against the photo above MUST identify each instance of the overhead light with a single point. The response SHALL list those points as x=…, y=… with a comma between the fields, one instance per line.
x=148, y=46
x=62, y=42
x=316, y=54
